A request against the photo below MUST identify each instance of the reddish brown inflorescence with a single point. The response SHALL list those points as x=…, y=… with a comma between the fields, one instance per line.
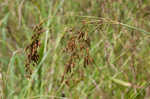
x=32, y=49
x=77, y=49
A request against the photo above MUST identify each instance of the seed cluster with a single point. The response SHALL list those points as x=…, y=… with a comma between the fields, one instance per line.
x=77, y=49
x=32, y=49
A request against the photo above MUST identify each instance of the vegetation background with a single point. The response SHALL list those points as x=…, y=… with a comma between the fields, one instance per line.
x=120, y=48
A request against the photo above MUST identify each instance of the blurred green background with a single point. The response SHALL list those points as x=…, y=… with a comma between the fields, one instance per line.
x=120, y=47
